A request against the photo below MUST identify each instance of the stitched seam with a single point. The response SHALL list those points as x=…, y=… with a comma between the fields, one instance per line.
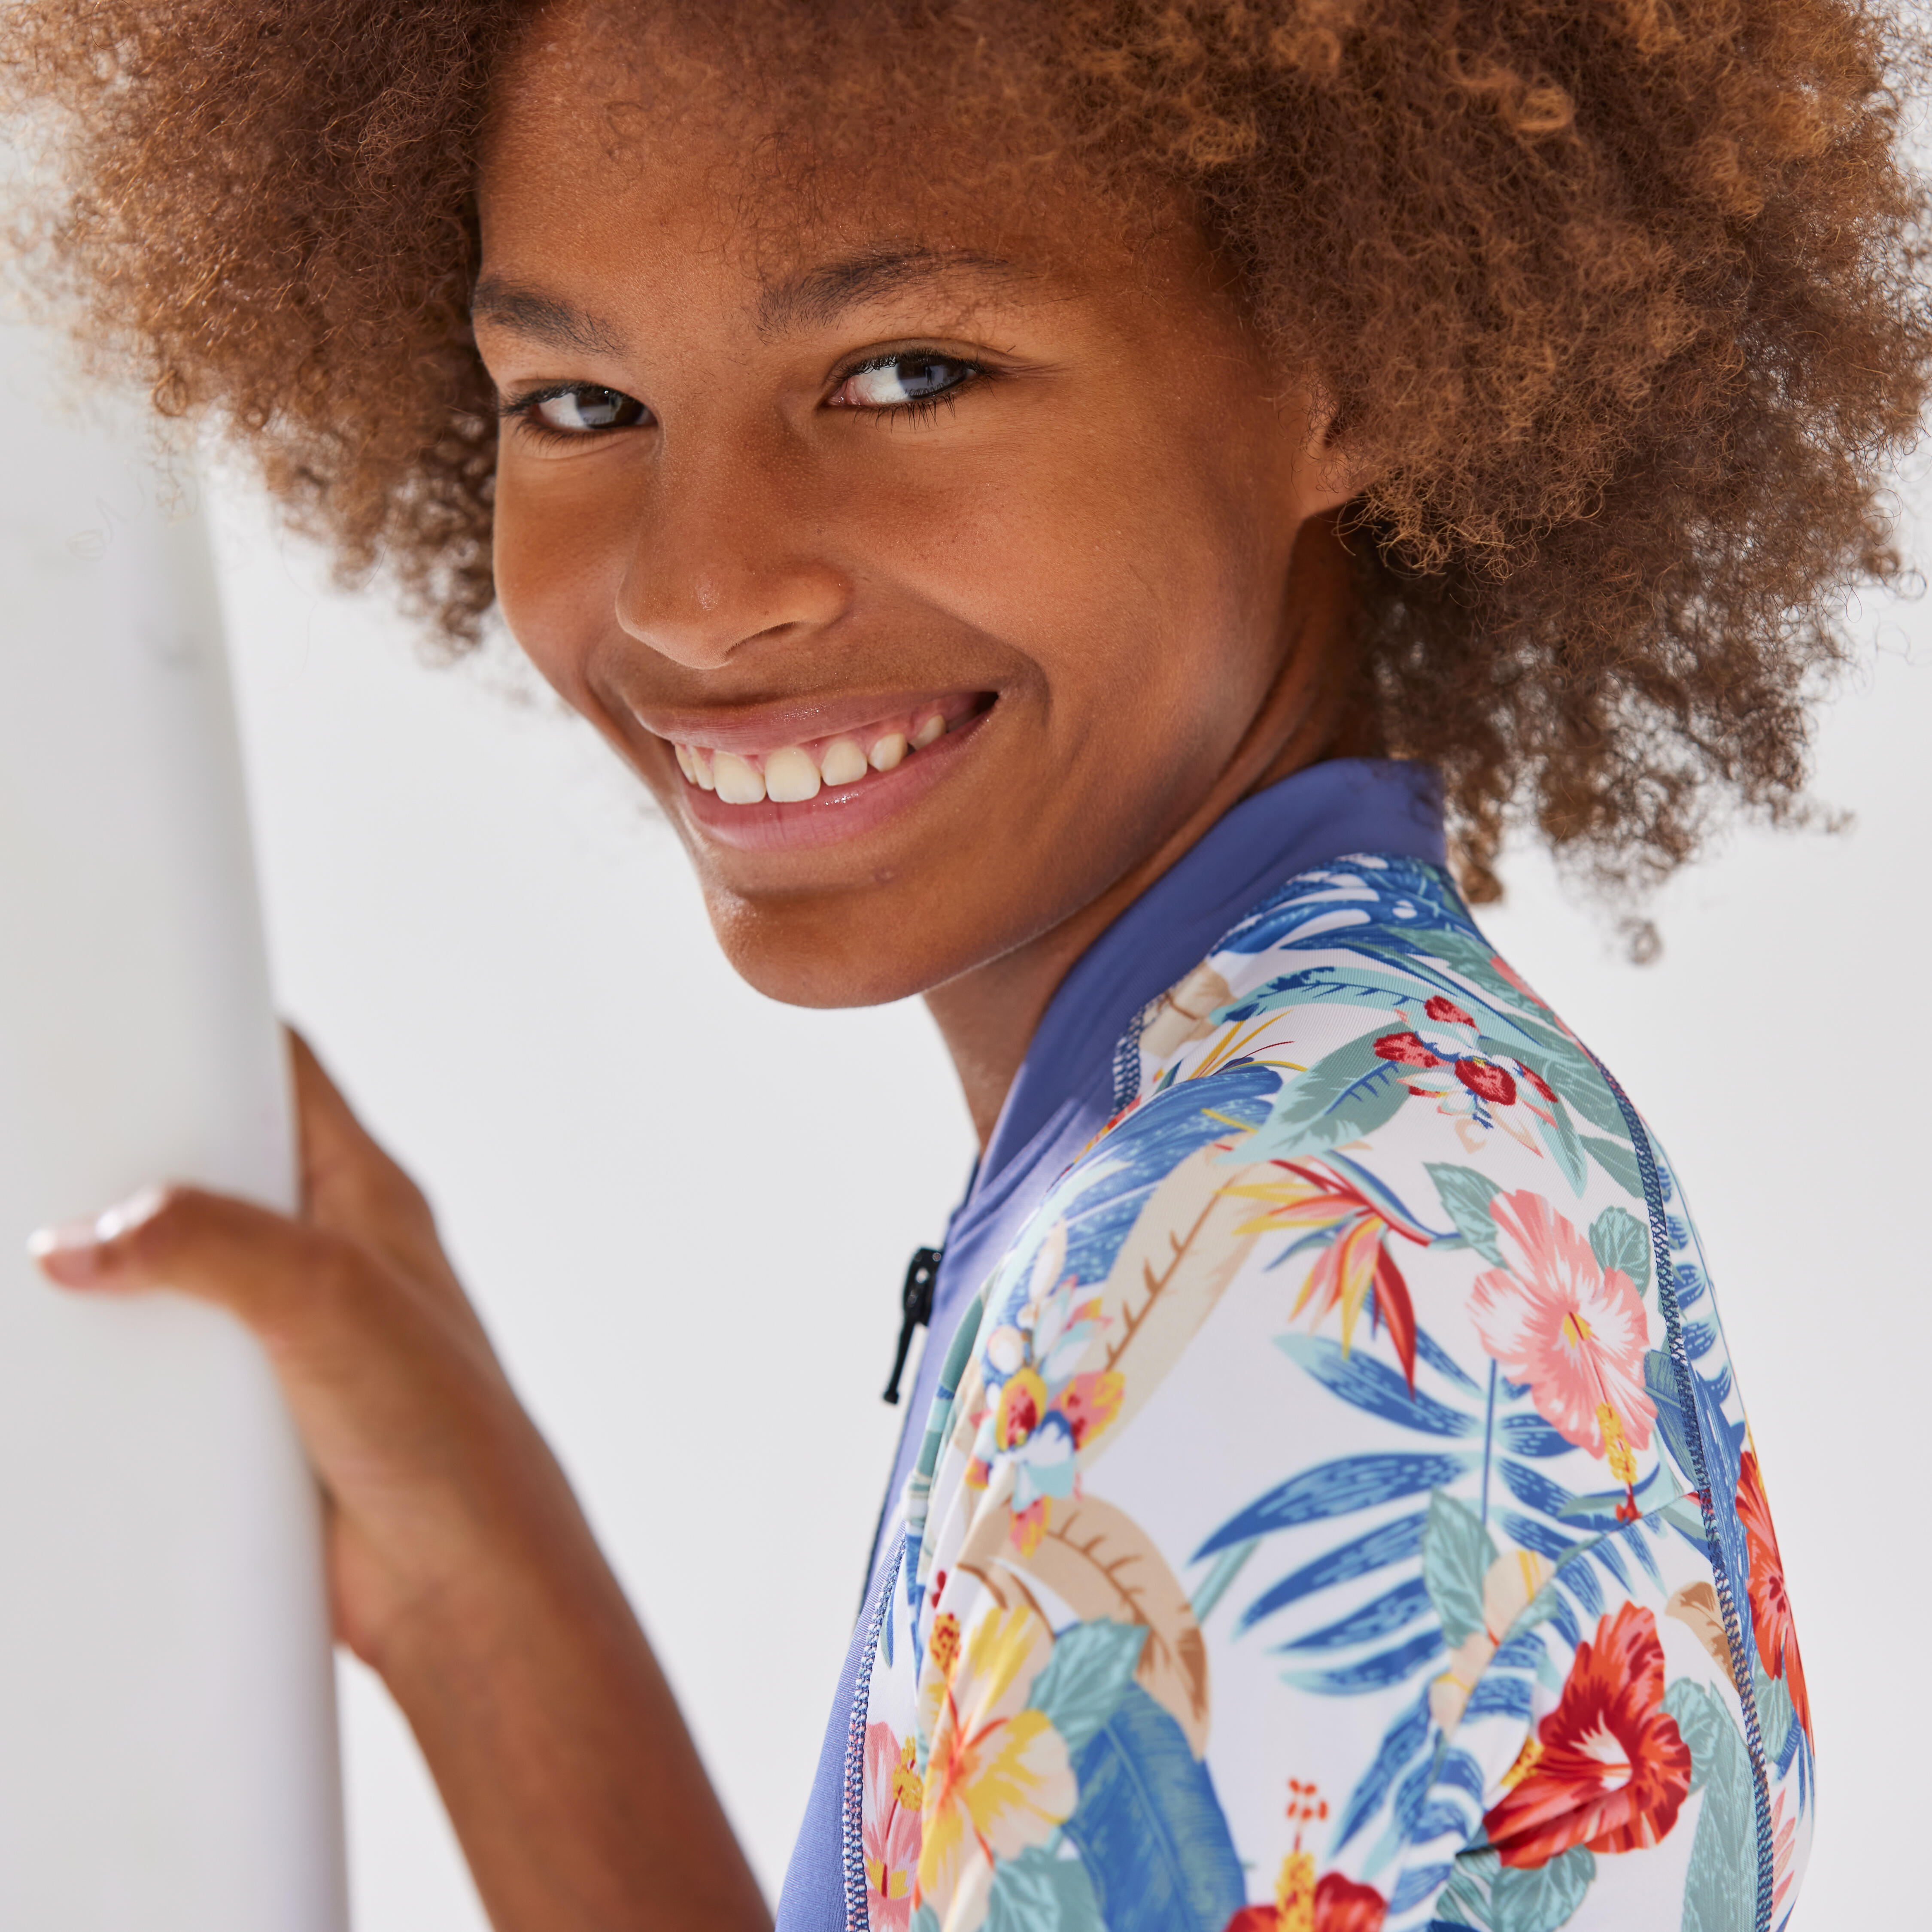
x=1727, y=1604
x=858, y=1914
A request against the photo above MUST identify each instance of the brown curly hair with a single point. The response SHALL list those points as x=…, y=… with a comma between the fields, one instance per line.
x=1625, y=296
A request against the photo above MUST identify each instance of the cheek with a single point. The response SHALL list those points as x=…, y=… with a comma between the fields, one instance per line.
x=558, y=552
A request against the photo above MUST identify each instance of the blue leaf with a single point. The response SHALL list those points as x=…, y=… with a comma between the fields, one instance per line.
x=1358, y=1378
x=1390, y=1611
x=1136, y=1157
x=1091, y=1666
x=1504, y=1696
x=1414, y=1887
x=1149, y=1828
x=1461, y=1772
x=1659, y=1384
x=1581, y=1581
x=1533, y=1487
x=1337, y=1489
x=1605, y=1553
x=1699, y=1339
x=1530, y=1435
x=1400, y=1742
x=1439, y=1359
x=1564, y=1619
x=1370, y=1673
x=1389, y=1544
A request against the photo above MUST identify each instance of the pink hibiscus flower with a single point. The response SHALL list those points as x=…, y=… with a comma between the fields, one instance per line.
x=889, y=1828
x=1575, y=1331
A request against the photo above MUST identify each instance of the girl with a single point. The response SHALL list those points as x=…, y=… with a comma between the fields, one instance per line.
x=1091, y=514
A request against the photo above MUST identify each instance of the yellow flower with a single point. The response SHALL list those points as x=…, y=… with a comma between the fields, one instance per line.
x=997, y=1776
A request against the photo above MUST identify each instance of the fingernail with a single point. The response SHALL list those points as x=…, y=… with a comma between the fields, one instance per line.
x=69, y=1254
x=70, y=1251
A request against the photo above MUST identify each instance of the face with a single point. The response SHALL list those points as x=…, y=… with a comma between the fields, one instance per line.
x=925, y=548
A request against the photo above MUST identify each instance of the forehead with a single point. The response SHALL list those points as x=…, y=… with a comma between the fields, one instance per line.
x=821, y=182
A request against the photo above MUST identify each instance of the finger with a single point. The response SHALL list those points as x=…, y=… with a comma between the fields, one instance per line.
x=350, y=1185
x=260, y=1265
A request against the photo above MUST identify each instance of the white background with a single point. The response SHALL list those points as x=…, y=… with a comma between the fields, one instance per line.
x=685, y=1211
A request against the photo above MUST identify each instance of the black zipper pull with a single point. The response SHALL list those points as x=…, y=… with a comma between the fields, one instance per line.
x=916, y=1302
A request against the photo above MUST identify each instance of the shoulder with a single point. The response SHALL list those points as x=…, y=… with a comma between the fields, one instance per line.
x=1325, y=1442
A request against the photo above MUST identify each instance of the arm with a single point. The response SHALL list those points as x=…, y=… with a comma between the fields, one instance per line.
x=461, y=1568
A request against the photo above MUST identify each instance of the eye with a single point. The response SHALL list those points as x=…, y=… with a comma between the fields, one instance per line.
x=909, y=379
x=581, y=409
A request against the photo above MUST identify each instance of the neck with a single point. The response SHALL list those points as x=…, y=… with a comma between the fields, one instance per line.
x=988, y=1016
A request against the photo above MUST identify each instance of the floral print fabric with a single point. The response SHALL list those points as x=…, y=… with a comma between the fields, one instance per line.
x=1338, y=1515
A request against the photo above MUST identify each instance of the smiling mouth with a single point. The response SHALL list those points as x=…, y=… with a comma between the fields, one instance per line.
x=795, y=774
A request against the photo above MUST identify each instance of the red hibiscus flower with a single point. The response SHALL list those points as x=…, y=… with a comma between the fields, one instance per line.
x=1448, y=1012
x=1406, y=1049
x=1608, y=1768
x=1488, y=1081
x=1339, y=1905
x=1770, y=1602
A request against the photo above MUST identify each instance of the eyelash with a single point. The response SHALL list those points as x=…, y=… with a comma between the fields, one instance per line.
x=922, y=409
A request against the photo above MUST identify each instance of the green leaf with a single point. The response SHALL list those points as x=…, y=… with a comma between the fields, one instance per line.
x=1559, y=1136
x=1466, y=1195
x=1464, y=1900
x=1038, y=1892
x=1775, y=1714
x=925, y=1920
x=1541, y=1899
x=1721, y=1885
x=1618, y=1240
x=1616, y=1160
x=1456, y=1553
x=1081, y=1688
x=1345, y=1096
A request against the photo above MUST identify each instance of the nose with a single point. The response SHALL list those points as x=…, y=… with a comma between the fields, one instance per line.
x=727, y=551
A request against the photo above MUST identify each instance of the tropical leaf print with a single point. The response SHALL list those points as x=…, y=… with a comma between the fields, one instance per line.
x=1150, y=1828
x=1102, y=1566
x=1479, y=1471
x=1185, y=1248
x=1720, y=1889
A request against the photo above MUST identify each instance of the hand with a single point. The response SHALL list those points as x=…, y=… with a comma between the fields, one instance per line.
x=408, y=1419
x=460, y=1567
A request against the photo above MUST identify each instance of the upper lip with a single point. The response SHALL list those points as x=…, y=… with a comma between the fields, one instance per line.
x=752, y=728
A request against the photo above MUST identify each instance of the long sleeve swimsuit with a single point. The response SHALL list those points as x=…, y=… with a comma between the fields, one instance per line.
x=1326, y=1504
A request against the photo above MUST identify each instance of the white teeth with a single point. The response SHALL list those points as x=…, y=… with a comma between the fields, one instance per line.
x=844, y=762
x=738, y=783
x=791, y=777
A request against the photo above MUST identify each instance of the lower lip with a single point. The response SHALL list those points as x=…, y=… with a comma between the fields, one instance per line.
x=839, y=811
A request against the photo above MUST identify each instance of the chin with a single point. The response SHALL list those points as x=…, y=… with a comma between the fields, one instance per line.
x=820, y=958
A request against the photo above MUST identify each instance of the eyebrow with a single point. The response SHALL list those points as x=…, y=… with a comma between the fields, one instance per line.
x=821, y=295
x=543, y=318
x=817, y=297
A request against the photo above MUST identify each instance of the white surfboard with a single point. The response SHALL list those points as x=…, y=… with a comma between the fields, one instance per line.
x=168, y=1759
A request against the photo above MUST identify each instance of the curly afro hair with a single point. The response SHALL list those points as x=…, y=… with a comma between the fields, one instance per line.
x=1625, y=297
